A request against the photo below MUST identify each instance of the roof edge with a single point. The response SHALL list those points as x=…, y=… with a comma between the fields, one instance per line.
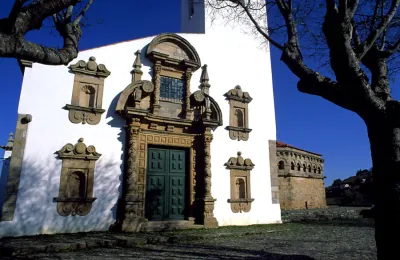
x=284, y=145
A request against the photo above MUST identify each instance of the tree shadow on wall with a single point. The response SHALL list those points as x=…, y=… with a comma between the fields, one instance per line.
x=118, y=122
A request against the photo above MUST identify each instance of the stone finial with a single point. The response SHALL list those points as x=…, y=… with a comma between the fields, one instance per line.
x=10, y=143
x=204, y=79
x=90, y=68
x=10, y=140
x=137, y=65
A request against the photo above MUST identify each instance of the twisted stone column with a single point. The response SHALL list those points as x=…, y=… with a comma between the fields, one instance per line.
x=157, y=83
x=133, y=206
x=209, y=219
x=189, y=112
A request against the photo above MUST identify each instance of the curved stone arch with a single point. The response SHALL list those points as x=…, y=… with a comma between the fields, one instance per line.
x=298, y=165
x=320, y=169
x=281, y=158
x=314, y=168
x=280, y=164
x=123, y=98
x=179, y=41
x=309, y=167
x=215, y=111
x=293, y=163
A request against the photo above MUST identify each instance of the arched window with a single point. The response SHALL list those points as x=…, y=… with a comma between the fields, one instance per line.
x=241, y=188
x=309, y=168
x=298, y=167
x=292, y=166
x=77, y=185
x=304, y=168
x=315, y=169
x=239, y=117
x=319, y=170
x=281, y=165
x=88, y=96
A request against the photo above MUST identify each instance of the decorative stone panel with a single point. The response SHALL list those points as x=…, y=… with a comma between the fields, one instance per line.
x=238, y=116
x=240, y=183
x=77, y=178
x=87, y=94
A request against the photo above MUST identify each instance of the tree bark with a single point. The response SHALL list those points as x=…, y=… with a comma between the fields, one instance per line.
x=384, y=138
x=23, y=19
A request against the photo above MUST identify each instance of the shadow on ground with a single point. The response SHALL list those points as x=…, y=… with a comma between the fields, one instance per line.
x=343, y=223
x=219, y=252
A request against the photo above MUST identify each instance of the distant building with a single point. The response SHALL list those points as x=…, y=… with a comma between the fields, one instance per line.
x=301, y=178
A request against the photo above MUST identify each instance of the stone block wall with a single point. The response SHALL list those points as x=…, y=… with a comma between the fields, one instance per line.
x=301, y=193
x=329, y=213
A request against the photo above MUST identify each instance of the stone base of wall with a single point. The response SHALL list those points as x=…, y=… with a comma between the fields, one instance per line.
x=329, y=213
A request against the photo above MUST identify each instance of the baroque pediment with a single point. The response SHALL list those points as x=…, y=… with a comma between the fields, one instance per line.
x=239, y=95
x=90, y=68
x=239, y=163
x=78, y=151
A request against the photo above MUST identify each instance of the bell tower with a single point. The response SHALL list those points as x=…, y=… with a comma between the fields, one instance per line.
x=192, y=16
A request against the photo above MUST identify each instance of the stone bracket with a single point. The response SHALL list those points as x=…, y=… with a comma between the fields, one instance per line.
x=241, y=134
x=78, y=114
x=240, y=205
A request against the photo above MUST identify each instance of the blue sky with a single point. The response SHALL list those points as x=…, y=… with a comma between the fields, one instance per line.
x=304, y=121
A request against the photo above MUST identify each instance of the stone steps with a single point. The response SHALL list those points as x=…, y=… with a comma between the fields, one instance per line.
x=157, y=226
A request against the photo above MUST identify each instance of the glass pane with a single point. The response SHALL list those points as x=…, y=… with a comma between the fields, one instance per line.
x=172, y=89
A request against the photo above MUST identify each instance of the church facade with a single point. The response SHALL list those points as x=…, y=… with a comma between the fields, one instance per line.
x=183, y=137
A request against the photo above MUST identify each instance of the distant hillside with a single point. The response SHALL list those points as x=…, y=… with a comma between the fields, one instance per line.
x=354, y=191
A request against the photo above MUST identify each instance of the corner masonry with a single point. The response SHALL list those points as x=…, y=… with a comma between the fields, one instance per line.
x=15, y=167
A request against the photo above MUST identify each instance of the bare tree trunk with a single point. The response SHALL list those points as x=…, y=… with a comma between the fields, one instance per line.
x=385, y=150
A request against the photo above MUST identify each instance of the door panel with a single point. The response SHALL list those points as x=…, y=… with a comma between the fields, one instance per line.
x=157, y=160
x=155, y=197
x=177, y=161
x=176, y=197
x=165, y=192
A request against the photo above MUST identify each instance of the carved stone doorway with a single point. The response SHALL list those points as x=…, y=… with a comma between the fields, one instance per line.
x=164, y=112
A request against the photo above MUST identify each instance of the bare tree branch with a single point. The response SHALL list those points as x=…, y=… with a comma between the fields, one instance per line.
x=83, y=12
x=30, y=17
x=14, y=14
x=370, y=41
x=353, y=7
x=257, y=26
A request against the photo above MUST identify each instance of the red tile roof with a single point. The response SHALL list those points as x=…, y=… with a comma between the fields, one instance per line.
x=283, y=145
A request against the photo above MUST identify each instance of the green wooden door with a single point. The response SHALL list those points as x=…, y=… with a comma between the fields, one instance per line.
x=165, y=190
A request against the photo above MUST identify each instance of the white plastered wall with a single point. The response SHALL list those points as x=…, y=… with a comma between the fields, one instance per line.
x=233, y=59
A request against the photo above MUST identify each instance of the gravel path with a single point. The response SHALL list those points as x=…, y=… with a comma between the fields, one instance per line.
x=322, y=240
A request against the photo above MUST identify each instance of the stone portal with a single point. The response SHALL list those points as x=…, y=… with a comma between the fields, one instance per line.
x=169, y=134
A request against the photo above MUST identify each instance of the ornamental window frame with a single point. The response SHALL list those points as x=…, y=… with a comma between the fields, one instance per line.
x=238, y=114
x=87, y=92
x=81, y=159
x=240, y=183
